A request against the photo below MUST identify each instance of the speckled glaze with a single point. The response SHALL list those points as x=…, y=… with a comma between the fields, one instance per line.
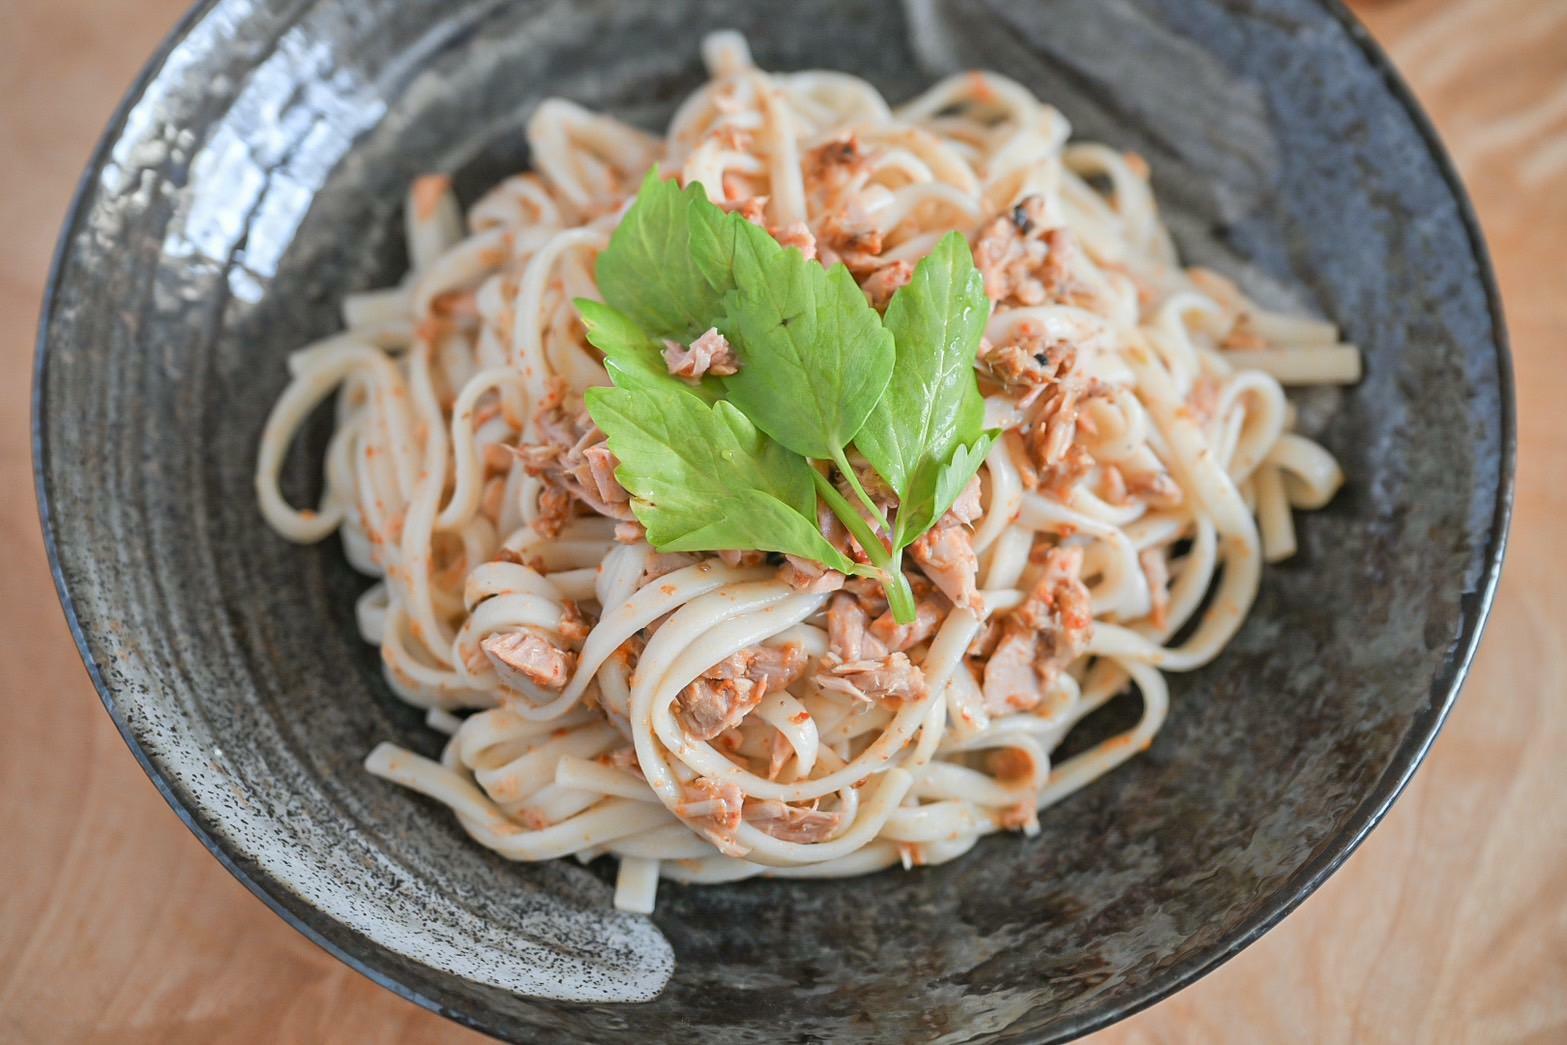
x=255, y=174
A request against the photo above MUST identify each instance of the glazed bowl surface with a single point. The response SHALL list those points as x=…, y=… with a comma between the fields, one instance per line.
x=255, y=175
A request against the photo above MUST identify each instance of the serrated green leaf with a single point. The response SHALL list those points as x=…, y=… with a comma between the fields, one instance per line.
x=932, y=406
x=814, y=357
x=932, y=402
x=703, y=478
x=957, y=472
x=713, y=235
x=934, y=487
x=649, y=271
x=749, y=520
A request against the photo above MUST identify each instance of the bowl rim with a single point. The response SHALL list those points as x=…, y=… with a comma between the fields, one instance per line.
x=1365, y=816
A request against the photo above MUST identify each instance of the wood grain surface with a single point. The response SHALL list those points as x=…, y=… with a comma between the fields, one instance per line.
x=1450, y=924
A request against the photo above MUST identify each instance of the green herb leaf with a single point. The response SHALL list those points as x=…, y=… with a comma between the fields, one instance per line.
x=713, y=235
x=633, y=359
x=916, y=435
x=814, y=357
x=702, y=477
x=957, y=472
x=649, y=271
x=710, y=465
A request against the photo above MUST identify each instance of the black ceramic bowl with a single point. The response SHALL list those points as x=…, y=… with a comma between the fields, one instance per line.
x=253, y=176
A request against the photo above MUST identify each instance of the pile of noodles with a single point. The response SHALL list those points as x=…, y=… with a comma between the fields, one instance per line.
x=437, y=379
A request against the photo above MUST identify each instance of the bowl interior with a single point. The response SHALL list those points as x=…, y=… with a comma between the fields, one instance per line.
x=257, y=175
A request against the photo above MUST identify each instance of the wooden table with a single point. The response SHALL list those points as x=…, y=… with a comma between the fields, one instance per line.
x=1450, y=924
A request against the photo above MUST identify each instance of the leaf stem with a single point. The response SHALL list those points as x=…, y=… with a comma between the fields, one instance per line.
x=900, y=597
x=847, y=472
x=851, y=519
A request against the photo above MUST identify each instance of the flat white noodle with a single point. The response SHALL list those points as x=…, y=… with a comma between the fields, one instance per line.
x=1188, y=471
